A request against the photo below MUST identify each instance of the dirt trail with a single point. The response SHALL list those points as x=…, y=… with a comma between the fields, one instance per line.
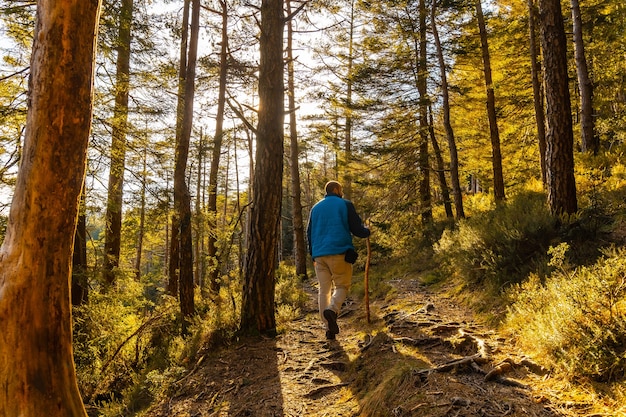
x=420, y=356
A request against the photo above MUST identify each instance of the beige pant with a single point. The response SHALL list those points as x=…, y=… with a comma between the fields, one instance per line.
x=334, y=275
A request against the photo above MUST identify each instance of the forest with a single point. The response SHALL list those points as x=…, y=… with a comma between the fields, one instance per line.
x=159, y=159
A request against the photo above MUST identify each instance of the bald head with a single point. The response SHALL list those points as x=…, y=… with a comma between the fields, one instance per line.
x=333, y=187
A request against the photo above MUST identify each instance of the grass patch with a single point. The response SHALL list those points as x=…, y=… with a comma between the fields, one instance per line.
x=499, y=247
x=382, y=381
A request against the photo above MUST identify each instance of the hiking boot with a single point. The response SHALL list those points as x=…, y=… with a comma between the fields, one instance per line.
x=330, y=335
x=331, y=317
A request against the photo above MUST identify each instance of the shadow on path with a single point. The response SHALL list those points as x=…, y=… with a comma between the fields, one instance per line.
x=238, y=381
x=397, y=366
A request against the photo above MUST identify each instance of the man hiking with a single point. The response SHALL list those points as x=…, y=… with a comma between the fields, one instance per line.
x=332, y=222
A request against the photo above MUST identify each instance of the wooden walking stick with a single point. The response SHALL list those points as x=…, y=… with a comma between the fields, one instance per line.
x=367, y=279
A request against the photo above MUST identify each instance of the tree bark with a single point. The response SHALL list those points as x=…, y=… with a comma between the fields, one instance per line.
x=560, y=138
x=589, y=142
x=142, y=216
x=422, y=73
x=199, y=265
x=113, y=231
x=496, y=155
x=347, y=174
x=296, y=192
x=537, y=87
x=214, y=270
x=452, y=149
x=174, y=260
x=37, y=375
x=182, y=198
x=441, y=172
x=257, y=311
x=172, y=283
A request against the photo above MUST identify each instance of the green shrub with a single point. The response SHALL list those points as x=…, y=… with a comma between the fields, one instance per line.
x=117, y=335
x=576, y=320
x=501, y=246
x=289, y=294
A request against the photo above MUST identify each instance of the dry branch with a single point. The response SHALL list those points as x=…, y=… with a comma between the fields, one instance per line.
x=451, y=365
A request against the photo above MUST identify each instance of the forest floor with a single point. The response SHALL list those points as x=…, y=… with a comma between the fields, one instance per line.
x=420, y=355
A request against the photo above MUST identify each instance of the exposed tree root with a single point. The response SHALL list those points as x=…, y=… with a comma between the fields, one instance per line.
x=422, y=341
x=323, y=390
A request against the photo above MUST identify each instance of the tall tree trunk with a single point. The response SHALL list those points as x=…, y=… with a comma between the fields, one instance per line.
x=37, y=374
x=347, y=174
x=166, y=246
x=174, y=261
x=142, y=216
x=214, y=270
x=441, y=171
x=560, y=138
x=422, y=73
x=251, y=173
x=182, y=198
x=257, y=311
x=452, y=149
x=80, y=285
x=496, y=155
x=172, y=284
x=199, y=235
x=537, y=86
x=589, y=140
x=113, y=231
x=296, y=192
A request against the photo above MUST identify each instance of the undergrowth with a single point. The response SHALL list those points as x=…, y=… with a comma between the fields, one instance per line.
x=575, y=320
x=499, y=247
x=556, y=283
x=128, y=348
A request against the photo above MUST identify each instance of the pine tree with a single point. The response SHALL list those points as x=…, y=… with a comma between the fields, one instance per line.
x=257, y=310
x=560, y=139
x=37, y=371
x=118, y=145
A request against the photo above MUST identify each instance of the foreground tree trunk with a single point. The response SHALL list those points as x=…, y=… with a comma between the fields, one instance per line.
x=257, y=310
x=561, y=184
x=37, y=375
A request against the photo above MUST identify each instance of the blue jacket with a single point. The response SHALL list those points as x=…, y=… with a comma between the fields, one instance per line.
x=332, y=223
